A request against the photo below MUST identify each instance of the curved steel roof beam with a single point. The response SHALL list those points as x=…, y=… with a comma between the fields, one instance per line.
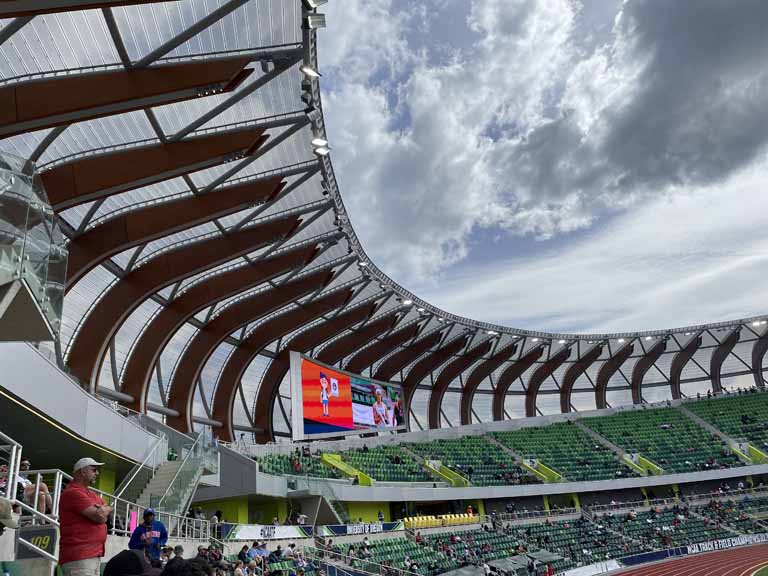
x=607, y=370
x=304, y=342
x=572, y=374
x=370, y=355
x=678, y=363
x=405, y=356
x=477, y=376
x=95, y=177
x=540, y=374
x=355, y=340
x=508, y=377
x=431, y=362
x=759, y=349
x=28, y=106
x=142, y=225
x=719, y=356
x=153, y=340
x=448, y=374
x=88, y=346
x=242, y=356
x=14, y=8
x=191, y=363
x=641, y=368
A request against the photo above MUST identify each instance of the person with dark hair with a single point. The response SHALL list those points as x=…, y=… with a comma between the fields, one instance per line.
x=130, y=563
x=149, y=536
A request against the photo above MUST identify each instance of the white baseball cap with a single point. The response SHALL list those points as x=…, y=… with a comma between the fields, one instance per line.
x=85, y=462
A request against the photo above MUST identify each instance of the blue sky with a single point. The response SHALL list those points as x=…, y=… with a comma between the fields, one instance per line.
x=556, y=165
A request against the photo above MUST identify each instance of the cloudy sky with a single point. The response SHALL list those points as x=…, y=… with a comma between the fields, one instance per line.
x=556, y=165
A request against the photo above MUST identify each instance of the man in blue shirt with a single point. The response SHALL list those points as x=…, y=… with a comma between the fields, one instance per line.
x=149, y=536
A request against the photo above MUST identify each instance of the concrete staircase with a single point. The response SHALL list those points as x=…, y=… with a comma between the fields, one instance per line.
x=159, y=483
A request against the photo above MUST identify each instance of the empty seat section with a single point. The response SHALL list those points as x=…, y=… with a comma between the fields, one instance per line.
x=296, y=465
x=741, y=416
x=567, y=449
x=387, y=463
x=667, y=437
x=483, y=463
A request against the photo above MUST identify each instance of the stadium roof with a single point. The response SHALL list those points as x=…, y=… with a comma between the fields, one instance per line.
x=208, y=236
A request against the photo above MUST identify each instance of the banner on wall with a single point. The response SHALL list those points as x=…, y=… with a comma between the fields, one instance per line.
x=269, y=532
x=327, y=402
x=355, y=529
x=727, y=543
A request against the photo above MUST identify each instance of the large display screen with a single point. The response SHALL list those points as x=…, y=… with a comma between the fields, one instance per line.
x=327, y=402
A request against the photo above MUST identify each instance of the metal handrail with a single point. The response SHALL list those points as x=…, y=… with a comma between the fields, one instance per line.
x=320, y=555
x=190, y=452
x=144, y=464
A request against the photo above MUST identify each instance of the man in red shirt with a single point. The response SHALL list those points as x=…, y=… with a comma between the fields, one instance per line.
x=83, y=518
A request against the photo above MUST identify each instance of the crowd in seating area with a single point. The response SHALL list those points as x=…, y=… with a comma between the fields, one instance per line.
x=477, y=459
x=568, y=450
x=743, y=415
x=667, y=438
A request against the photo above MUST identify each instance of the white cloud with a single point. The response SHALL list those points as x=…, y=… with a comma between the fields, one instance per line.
x=524, y=128
x=697, y=256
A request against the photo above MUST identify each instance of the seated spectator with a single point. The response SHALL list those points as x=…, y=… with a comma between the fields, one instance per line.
x=130, y=563
x=243, y=554
x=26, y=489
x=239, y=568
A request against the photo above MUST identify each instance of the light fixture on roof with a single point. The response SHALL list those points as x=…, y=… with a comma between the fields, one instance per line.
x=312, y=4
x=492, y=333
x=314, y=21
x=561, y=341
x=620, y=340
x=319, y=142
x=407, y=302
x=309, y=71
x=440, y=320
x=649, y=337
x=420, y=309
x=535, y=339
x=362, y=264
x=322, y=151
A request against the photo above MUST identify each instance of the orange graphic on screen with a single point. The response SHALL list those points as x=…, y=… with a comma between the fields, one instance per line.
x=326, y=396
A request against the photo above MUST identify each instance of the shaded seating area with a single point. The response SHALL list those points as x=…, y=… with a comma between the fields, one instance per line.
x=567, y=449
x=483, y=463
x=296, y=465
x=387, y=463
x=667, y=437
x=671, y=527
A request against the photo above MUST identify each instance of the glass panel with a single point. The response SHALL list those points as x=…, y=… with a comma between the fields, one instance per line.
x=31, y=243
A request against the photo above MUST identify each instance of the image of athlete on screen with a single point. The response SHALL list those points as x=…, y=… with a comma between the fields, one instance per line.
x=324, y=397
x=380, y=410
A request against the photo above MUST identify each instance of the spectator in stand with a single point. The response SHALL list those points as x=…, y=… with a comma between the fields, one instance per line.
x=149, y=536
x=239, y=566
x=26, y=488
x=202, y=552
x=129, y=563
x=243, y=555
x=83, y=522
x=381, y=516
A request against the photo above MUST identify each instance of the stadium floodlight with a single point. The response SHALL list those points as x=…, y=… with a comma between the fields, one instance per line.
x=362, y=264
x=535, y=339
x=561, y=341
x=420, y=310
x=620, y=340
x=315, y=21
x=322, y=151
x=319, y=142
x=312, y=4
x=309, y=71
x=649, y=337
x=407, y=302
x=492, y=333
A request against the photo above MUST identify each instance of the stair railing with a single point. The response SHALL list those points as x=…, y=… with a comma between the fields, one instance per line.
x=157, y=454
